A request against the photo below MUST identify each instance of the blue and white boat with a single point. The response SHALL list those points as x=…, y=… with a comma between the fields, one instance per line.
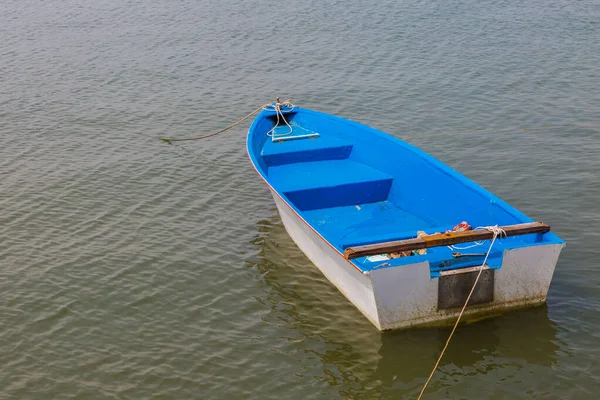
x=354, y=199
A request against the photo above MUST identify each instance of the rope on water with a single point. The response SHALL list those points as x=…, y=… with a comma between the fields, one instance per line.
x=497, y=231
x=171, y=140
x=276, y=107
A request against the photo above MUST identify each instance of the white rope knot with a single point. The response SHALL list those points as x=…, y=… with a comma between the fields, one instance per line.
x=496, y=230
x=278, y=104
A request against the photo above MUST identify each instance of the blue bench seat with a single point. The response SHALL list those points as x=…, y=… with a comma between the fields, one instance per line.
x=330, y=183
x=305, y=150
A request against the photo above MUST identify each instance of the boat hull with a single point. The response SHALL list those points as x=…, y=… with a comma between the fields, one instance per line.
x=341, y=186
x=407, y=296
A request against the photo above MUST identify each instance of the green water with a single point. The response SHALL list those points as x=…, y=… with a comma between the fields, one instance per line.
x=130, y=269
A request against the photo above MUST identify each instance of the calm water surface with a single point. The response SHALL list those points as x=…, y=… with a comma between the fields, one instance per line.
x=130, y=269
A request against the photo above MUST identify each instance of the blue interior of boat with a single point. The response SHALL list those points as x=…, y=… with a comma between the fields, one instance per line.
x=356, y=185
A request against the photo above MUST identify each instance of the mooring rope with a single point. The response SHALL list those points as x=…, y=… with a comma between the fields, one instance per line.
x=171, y=140
x=497, y=231
x=276, y=107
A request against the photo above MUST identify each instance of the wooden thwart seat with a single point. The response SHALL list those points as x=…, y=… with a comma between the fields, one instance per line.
x=442, y=239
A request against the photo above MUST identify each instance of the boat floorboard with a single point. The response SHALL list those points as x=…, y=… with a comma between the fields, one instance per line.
x=363, y=223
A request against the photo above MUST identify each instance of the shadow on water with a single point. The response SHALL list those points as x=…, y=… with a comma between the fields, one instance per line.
x=373, y=364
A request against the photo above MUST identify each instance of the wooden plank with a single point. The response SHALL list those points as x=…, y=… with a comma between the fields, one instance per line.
x=442, y=239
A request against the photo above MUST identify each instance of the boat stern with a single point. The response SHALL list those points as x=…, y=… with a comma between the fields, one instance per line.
x=409, y=295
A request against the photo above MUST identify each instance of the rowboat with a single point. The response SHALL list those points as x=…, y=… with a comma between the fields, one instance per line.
x=394, y=229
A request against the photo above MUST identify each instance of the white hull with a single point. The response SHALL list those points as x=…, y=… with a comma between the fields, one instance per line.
x=406, y=296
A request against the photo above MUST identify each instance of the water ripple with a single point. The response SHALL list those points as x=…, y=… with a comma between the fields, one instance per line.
x=131, y=269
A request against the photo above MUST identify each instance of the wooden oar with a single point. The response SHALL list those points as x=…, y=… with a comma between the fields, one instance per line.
x=442, y=239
